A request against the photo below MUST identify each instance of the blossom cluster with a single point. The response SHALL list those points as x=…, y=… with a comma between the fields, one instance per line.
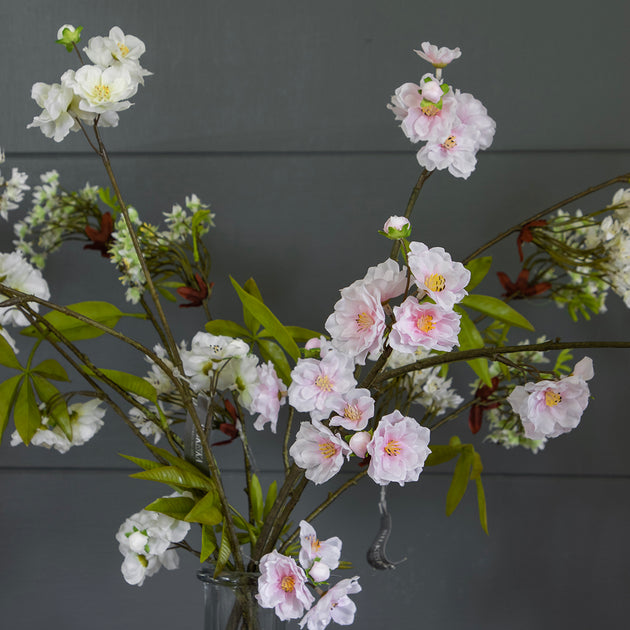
x=454, y=124
x=283, y=584
x=95, y=93
x=145, y=540
x=12, y=190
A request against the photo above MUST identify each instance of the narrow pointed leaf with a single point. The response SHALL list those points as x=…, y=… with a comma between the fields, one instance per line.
x=481, y=503
x=227, y=328
x=440, y=454
x=26, y=413
x=8, y=393
x=256, y=497
x=208, y=542
x=175, y=507
x=74, y=329
x=224, y=552
x=272, y=493
x=302, y=335
x=250, y=321
x=271, y=351
x=205, y=511
x=469, y=338
x=479, y=268
x=498, y=309
x=51, y=370
x=178, y=462
x=146, y=464
x=7, y=356
x=174, y=477
x=129, y=382
x=459, y=483
x=263, y=315
x=56, y=406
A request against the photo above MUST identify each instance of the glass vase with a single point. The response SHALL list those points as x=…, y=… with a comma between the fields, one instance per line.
x=230, y=603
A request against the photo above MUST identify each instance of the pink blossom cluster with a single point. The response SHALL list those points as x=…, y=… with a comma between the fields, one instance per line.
x=453, y=124
x=283, y=584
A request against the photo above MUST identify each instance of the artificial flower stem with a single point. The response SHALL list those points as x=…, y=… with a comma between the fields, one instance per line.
x=517, y=228
x=287, y=437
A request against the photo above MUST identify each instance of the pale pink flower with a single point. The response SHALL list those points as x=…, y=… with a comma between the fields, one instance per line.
x=472, y=113
x=550, y=408
x=319, y=451
x=397, y=227
x=455, y=152
x=438, y=57
x=432, y=90
x=423, y=325
x=335, y=606
x=358, y=443
x=314, y=550
x=268, y=395
x=429, y=122
x=319, y=572
x=435, y=272
x=357, y=409
x=387, y=278
x=398, y=449
x=318, y=385
x=282, y=586
x=405, y=97
x=358, y=322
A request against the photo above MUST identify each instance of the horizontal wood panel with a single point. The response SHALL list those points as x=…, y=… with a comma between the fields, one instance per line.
x=235, y=76
x=555, y=558
x=304, y=227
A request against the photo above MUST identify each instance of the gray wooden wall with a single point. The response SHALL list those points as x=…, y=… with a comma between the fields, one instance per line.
x=274, y=112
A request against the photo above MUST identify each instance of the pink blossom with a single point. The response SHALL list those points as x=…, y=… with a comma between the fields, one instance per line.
x=319, y=451
x=335, y=606
x=472, y=114
x=435, y=272
x=282, y=586
x=429, y=121
x=357, y=409
x=438, y=57
x=455, y=151
x=318, y=385
x=358, y=443
x=398, y=449
x=432, y=90
x=550, y=408
x=423, y=325
x=358, y=322
x=387, y=278
x=405, y=97
x=314, y=550
x=268, y=395
x=397, y=227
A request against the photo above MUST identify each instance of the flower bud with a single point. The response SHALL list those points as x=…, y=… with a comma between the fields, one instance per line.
x=137, y=542
x=431, y=91
x=358, y=443
x=319, y=572
x=397, y=227
x=68, y=36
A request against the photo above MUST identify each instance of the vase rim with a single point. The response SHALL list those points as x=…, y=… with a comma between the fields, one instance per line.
x=227, y=578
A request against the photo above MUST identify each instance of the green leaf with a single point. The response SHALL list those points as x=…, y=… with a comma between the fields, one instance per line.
x=477, y=466
x=250, y=321
x=208, y=542
x=481, y=503
x=227, y=328
x=198, y=218
x=459, y=483
x=146, y=464
x=263, y=315
x=175, y=507
x=129, y=382
x=74, y=329
x=173, y=476
x=441, y=454
x=479, y=268
x=178, y=462
x=498, y=309
x=56, y=406
x=7, y=356
x=165, y=293
x=256, y=497
x=8, y=392
x=26, y=413
x=51, y=369
x=205, y=511
x=272, y=493
x=302, y=335
x=470, y=338
x=224, y=552
x=108, y=199
x=271, y=351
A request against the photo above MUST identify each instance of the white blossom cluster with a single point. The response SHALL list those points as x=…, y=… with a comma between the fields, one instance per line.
x=123, y=255
x=145, y=541
x=94, y=93
x=12, y=190
x=180, y=223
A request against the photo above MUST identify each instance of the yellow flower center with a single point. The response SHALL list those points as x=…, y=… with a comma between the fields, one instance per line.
x=435, y=282
x=364, y=321
x=124, y=50
x=288, y=583
x=352, y=413
x=327, y=449
x=323, y=382
x=102, y=92
x=314, y=543
x=430, y=109
x=449, y=143
x=393, y=448
x=425, y=323
x=552, y=398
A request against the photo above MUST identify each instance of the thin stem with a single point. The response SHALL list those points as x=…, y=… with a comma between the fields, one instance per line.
x=424, y=175
x=452, y=415
x=287, y=436
x=517, y=228
x=332, y=496
x=493, y=352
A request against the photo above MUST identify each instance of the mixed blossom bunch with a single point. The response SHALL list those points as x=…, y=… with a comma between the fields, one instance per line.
x=371, y=391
